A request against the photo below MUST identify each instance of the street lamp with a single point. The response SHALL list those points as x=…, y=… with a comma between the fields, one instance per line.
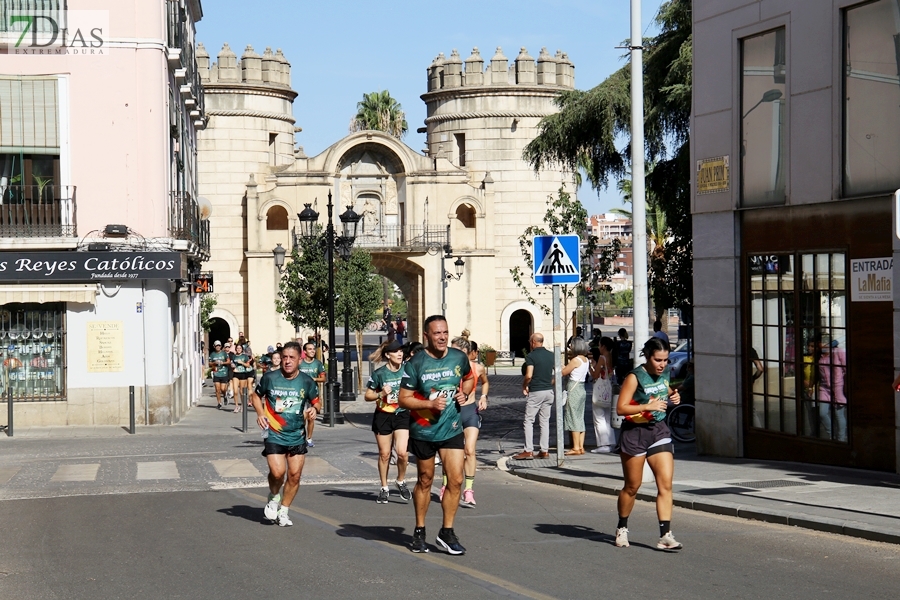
x=278, y=252
x=459, y=266
x=769, y=96
x=344, y=244
x=350, y=220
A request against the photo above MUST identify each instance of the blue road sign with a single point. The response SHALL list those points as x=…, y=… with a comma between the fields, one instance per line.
x=557, y=259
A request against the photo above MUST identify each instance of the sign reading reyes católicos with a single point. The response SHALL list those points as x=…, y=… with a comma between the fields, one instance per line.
x=88, y=266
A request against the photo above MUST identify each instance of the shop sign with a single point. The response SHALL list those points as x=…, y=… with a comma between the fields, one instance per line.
x=712, y=175
x=105, y=347
x=872, y=280
x=88, y=266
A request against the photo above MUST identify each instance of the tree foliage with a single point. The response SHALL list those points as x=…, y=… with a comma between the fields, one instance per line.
x=303, y=291
x=583, y=134
x=358, y=289
x=379, y=111
x=207, y=306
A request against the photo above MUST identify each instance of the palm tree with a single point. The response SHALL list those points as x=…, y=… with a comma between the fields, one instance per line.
x=380, y=112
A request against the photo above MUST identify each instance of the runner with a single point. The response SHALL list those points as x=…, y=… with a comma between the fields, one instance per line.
x=243, y=375
x=232, y=382
x=291, y=399
x=312, y=366
x=218, y=362
x=391, y=423
x=645, y=436
x=434, y=383
x=471, y=419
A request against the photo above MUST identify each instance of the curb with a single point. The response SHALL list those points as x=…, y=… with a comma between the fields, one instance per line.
x=729, y=509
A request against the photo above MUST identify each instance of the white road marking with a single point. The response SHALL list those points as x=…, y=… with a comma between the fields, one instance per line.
x=164, y=469
x=76, y=472
x=237, y=467
x=7, y=473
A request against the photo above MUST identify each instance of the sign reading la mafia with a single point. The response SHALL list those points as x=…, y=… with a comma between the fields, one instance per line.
x=88, y=266
x=872, y=279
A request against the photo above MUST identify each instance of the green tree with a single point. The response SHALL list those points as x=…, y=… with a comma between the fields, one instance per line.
x=207, y=306
x=303, y=290
x=358, y=290
x=566, y=216
x=379, y=111
x=583, y=135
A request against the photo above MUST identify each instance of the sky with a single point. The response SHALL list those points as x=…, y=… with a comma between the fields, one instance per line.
x=340, y=50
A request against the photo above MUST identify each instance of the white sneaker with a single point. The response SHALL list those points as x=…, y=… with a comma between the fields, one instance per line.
x=272, y=506
x=283, y=519
x=622, y=537
x=668, y=542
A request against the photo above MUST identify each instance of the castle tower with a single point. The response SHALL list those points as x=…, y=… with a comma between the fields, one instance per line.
x=483, y=127
x=250, y=133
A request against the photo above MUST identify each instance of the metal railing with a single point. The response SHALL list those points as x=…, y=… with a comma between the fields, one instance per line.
x=399, y=238
x=184, y=220
x=37, y=211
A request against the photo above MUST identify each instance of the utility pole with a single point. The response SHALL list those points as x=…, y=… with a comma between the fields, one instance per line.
x=639, y=204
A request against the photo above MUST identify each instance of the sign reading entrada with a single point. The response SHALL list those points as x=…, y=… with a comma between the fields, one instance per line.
x=88, y=266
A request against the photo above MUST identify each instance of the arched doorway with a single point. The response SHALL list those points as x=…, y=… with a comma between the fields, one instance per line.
x=219, y=331
x=520, y=329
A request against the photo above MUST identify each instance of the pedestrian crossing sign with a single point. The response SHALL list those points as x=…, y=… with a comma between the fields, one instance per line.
x=557, y=259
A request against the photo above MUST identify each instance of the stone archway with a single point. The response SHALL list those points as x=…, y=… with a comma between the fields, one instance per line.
x=408, y=277
x=507, y=322
x=520, y=330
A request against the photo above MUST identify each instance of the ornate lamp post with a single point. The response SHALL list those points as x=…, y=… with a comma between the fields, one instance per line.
x=350, y=220
x=308, y=219
x=459, y=266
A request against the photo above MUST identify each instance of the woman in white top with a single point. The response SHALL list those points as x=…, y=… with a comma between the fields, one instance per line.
x=601, y=395
x=577, y=371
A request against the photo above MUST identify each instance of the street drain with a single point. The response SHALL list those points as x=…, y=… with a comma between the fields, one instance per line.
x=770, y=483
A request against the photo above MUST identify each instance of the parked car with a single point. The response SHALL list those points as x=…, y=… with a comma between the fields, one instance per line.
x=678, y=360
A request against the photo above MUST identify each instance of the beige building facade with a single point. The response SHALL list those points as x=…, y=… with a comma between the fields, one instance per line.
x=469, y=192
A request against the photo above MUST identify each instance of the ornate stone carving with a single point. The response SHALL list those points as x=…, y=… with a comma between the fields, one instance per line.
x=391, y=205
x=346, y=194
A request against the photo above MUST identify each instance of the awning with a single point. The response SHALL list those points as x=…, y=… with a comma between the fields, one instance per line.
x=60, y=292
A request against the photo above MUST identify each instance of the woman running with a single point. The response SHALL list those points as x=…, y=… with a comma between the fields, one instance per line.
x=577, y=371
x=243, y=374
x=601, y=395
x=645, y=436
x=391, y=423
x=471, y=419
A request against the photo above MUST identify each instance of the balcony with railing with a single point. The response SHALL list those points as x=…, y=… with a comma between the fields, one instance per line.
x=185, y=223
x=29, y=211
x=398, y=238
x=182, y=58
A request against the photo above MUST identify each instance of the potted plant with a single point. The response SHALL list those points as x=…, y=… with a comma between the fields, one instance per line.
x=488, y=355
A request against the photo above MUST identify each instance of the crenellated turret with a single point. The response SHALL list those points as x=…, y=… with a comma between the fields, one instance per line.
x=436, y=73
x=453, y=70
x=284, y=68
x=202, y=62
x=227, y=61
x=499, y=68
x=547, y=70
x=525, y=74
x=251, y=66
x=271, y=70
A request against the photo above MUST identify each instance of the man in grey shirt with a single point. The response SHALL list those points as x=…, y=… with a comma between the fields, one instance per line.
x=538, y=387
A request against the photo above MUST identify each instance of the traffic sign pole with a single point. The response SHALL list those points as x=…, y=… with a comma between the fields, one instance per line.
x=557, y=378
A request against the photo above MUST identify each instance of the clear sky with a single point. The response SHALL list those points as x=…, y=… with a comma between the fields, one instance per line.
x=339, y=50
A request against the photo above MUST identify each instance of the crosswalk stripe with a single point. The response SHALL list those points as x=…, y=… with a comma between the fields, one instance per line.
x=7, y=473
x=316, y=467
x=238, y=467
x=164, y=469
x=76, y=472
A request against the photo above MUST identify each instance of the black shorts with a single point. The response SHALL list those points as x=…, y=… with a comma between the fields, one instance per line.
x=386, y=423
x=243, y=376
x=637, y=439
x=469, y=416
x=271, y=448
x=424, y=450
x=221, y=379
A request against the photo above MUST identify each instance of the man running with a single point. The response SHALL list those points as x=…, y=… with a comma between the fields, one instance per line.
x=218, y=362
x=312, y=366
x=291, y=399
x=435, y=382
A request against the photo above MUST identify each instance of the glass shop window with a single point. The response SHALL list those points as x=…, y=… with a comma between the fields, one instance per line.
x=32, y=350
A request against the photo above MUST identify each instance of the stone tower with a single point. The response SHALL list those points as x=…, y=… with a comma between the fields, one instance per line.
x=250, y=135
x=480, y=118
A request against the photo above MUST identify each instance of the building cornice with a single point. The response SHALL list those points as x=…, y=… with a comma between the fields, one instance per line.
x=251, y=113
x=236, y=87
x=547, y=91
x=486, y=114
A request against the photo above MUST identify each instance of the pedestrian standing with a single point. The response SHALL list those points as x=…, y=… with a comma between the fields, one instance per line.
x=576, y=370
x=537, y=387
x=645, y=436
x=391, y=421
x=218, y=362
x=312, y=366
x=284, y=401
x=623, y=361
x=391, y=331
x=435, y=382
x=401, y=329
x=601, y=395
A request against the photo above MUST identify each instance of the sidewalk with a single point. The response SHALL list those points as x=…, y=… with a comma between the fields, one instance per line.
x=863, y=504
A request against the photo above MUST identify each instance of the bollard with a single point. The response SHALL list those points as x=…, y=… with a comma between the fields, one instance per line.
x=244, y=408
x=9, y=411
x=131, y=409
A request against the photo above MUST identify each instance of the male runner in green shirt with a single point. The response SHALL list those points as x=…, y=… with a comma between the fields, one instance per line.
x=284, y=400
x=434, y=384
x=312, y=366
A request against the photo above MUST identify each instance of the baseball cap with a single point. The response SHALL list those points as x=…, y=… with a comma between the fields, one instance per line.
x=393, y=346
x=217, y=343
x=270, y=349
